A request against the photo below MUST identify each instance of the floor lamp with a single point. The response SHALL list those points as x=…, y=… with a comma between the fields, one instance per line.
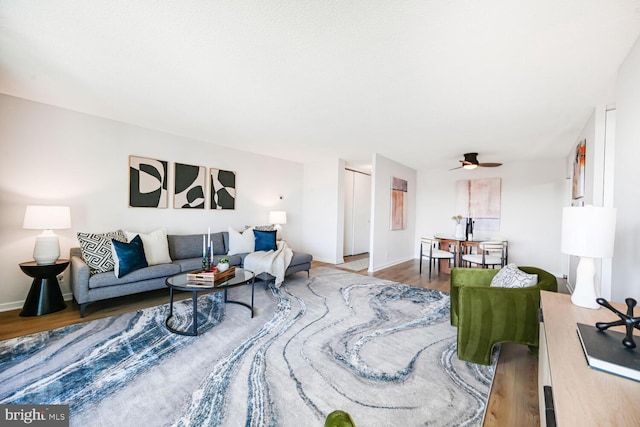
x=587, y=232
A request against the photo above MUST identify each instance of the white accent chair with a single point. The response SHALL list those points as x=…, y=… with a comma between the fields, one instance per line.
x=430, y=248
x=489, y=254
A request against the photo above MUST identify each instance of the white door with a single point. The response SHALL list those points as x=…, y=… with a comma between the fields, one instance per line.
x=357, y=212
x=348, y=212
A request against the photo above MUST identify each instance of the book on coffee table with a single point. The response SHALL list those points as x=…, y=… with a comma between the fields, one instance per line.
x=604, y=351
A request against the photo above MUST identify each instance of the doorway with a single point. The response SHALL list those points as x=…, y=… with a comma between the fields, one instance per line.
x=357, y=212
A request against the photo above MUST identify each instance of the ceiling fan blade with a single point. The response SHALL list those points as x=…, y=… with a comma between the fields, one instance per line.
x=471, y=161
x=452, y=169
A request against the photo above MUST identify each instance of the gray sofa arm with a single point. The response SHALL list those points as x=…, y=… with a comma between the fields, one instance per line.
x=79, y=280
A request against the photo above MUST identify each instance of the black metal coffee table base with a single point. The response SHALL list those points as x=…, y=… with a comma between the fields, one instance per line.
x=194, y=296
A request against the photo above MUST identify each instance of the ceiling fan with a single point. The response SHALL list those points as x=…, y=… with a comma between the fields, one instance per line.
x=471, y=162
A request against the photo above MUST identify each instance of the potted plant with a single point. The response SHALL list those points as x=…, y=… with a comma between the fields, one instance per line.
x=223, y=264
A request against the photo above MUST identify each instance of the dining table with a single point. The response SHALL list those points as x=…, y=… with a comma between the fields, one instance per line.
x=460, y=244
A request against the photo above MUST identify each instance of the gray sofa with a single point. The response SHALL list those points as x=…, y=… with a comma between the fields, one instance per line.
x=186, y=255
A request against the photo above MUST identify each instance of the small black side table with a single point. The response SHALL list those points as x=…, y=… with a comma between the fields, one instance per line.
x=44, y=296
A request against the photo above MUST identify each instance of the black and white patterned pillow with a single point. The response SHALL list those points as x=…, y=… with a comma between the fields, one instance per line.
x=96, y=250
x=267, y=227
x=510, y=276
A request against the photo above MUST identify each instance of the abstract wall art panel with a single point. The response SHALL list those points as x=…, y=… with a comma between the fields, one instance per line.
x=147, y=183
x=578, y=170
x=223, y=189
x=480, y=199
x=398, y=203
x=190, y=184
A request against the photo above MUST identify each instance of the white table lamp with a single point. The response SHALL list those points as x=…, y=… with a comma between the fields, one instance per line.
x=46, y=218
x=587, y=232
x=278, y=217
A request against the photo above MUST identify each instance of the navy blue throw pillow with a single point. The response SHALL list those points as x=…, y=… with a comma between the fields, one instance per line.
x=265, y=240
x=128, y=257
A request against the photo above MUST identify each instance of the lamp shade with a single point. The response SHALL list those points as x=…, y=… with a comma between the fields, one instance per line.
x=47, y=218
x=278, y=217
x=588, y=231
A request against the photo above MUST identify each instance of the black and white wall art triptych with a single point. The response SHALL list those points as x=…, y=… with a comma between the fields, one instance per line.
x=148, y=185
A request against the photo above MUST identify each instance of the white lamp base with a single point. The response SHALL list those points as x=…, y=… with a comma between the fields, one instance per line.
x=47, y=248
x=584, y=293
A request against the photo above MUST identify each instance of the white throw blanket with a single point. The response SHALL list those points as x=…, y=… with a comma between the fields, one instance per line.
x=274, y=262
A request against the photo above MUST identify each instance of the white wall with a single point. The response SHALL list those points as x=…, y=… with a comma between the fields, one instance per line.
x=390, y=247
x=626, y=258
x=324, y=210
x=532, y=196
x=53, y=156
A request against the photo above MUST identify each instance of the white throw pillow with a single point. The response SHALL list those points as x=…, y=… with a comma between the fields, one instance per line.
x=156, y=245
x=511, y=276
x=241, y=243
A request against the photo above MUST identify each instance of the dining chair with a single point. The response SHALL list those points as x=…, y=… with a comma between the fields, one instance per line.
x=430, y=248
x=489, y=254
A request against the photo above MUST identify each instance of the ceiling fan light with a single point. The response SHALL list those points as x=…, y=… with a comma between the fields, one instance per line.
x=469, y=167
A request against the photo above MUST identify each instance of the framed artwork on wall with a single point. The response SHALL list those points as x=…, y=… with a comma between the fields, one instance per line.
x=189, y=186
x=578, y=170
x=223, y=189
x=399, y=200
x=147, y=183
x=480, y=199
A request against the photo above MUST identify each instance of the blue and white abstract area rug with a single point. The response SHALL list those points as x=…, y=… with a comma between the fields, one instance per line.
x=382, y=351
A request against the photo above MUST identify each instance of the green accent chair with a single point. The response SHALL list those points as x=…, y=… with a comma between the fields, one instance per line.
x=486, y=316
x=339, y=419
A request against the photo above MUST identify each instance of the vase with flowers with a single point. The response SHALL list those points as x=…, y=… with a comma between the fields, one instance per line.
x=460, y=229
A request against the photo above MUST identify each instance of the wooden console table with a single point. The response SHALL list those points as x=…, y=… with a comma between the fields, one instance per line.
x=581, y=396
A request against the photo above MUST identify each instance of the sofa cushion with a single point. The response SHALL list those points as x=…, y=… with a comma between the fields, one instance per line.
x=240, y=243
x=96, y=249
x=102, y=280
x=192, y=264
x=510, y=276
x=300, y=258
x=128, y=257
x=190, y=246
x=156, y=246
x=265, y=240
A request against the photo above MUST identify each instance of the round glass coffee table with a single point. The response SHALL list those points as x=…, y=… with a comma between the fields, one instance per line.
x=181, y=282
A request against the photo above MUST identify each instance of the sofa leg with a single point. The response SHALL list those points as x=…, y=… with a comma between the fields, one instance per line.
x=82, y=308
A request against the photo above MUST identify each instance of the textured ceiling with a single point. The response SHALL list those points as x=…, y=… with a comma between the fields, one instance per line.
x=421, y=82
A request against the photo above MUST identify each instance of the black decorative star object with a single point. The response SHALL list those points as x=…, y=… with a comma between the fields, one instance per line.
x=626, y=320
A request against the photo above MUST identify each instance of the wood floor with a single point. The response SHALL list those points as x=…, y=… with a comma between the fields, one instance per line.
x=514, y=395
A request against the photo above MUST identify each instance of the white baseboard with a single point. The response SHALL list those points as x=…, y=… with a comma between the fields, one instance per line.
x=329, y=261
x=16, y=305
x=8, y=306
x=390, y=264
